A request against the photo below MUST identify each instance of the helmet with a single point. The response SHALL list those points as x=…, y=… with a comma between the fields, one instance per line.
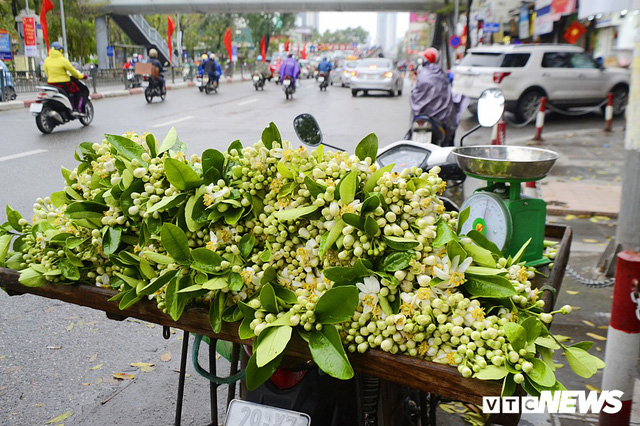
x=57, y=46
x=212, y=56
x=153, y=53
x=259, y=58
x=432, y=55
x=204, y=56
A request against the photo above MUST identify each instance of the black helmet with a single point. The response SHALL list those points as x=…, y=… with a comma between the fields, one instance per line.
x=57, y=46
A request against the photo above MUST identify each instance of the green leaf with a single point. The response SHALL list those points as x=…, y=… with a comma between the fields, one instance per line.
x=484, y=271
x=127, y=148
x=175, y=242
x=491, y=372
x=232, y=216
x=268, y=298
x=215, y=311
x=396, y=261
x=256, y=376
x=314, y=187
x=167, y=203
x=13, y=217
x=5, y=242
x=368, y=147
x=169, y=141
x=354, y=220
x=86, y=210
x=399, y=243
x=181, y=175
x=286, y=295
x=273, y=341
x=516, y=334
x=373, y=179
x=508, y=386
x=516, y=258
x=533, y=327
x=547, y=342
x=158, y=258
x=585, y=346
x=492, y=287
x=331, y=237
x=31, y=278
x=126, y=201
x=541, y=373
x=291, y=214
x=455, y=249
x=111, y=240
x=152, y=144
x=546, y=355
x=205, y=260
x=216, y=283
x=337, y=305
x=235, y=281
x=328, y=353
x=284, y=170
x=128, y=299
x=371, y=226
x=462, y=218
x=174, y=302
x=212, y=158
x=444, y=234
x=371, y=203
x=59, y=198
x=157, y=283
x=480, y=255
x=237, y=145
x=348, y=188
x=270, y=135
x=246, y=245
x=582, y=363
x=69, y=270
x=148, y=271
x=484, y=242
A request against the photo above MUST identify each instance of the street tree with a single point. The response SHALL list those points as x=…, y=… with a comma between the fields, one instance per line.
x=348, y=35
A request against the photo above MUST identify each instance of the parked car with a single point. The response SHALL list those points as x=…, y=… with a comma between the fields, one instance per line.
x=564, y=74
x=376, y=74
x=342, y=74
x=9, y=87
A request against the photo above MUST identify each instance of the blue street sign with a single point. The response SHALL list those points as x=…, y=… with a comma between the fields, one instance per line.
x=110, y=51
x=454, y=41
x=5, y=46
x=491, y=27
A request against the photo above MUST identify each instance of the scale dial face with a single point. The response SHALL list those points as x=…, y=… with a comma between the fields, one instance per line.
x=489, y=216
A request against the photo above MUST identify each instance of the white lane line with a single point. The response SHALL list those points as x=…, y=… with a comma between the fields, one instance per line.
x=247, y=102
x=22, y=154
x=177, y=120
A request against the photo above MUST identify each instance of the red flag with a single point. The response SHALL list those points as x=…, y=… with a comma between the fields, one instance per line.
x=303, y=53
x=574, y=32
x=46, y=6
x=263, y=50
x=227, y=43
x=286, y=46
x=170, y=27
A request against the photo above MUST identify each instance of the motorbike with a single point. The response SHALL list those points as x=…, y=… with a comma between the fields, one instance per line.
x=133, y=79
x=323, y=81
x=428, y=130
x=187, y=74
x=288, y=87
x=258, y=80
x=53, y=107
x=210, y=86
x=200, y=83
x=153, y=89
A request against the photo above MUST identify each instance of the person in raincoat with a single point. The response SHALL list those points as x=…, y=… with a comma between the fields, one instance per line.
x=290, y=68
x=60, y=72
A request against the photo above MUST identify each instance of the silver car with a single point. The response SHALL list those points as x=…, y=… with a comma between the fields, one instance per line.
x=342, y=74
x=376, y=74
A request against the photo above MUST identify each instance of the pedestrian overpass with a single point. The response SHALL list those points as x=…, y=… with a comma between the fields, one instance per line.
x=128, y=14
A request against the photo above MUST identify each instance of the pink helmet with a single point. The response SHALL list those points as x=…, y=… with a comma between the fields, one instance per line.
x=432, y=55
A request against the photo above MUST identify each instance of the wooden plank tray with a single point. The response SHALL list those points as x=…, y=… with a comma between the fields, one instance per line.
x=412, y=372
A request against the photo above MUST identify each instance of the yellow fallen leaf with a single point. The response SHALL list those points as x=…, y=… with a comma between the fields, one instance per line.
x=603, y=327
x=166, y=357
x=177, y=371
x=97, y=367
x=60, y=418
x=589, y=323
x=572, y=292
x=39, y=404
x=562, y=338
x=70, y=326
x=596, y=336
x=85, y=384
x=598, y=348
x=602, y=218
x=592, y=388
x=123, y=376
x=593, y=219
x=142, y=364
x=570, y=217
x=589, y=240
x=93, y=357
x=146, y=369
x=150, y=325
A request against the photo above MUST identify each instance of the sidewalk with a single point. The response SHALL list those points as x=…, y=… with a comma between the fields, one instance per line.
x=112, y=91
x=587, y=178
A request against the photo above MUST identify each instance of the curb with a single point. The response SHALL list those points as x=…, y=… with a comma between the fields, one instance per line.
x=11, y=105
x=555, y=211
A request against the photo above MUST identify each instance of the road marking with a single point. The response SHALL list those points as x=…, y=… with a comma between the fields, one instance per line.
x=247, y=102
x=22, y=154
x=177, y=120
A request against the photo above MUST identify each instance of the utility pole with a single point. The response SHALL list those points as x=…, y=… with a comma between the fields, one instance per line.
x=468, y=43
x=64, y=30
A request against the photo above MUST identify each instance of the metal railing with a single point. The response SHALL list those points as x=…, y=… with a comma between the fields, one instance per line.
x=151, y=34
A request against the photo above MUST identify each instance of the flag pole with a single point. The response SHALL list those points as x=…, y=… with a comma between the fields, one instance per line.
x=64, y=30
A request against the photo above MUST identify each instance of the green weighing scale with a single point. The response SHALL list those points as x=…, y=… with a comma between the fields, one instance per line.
x=499, y=210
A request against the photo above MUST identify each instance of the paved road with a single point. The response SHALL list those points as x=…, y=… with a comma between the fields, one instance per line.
x=48, y=348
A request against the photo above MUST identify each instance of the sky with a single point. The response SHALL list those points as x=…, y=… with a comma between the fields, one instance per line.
x=340, y=20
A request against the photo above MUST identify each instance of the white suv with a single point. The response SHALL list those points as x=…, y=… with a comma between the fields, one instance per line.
x=566, y=75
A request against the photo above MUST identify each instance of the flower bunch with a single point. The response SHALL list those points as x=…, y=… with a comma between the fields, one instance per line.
x=289, y=241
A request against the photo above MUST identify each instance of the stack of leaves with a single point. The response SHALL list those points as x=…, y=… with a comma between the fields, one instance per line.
x=321, y=245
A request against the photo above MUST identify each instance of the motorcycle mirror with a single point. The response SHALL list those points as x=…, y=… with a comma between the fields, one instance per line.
x=490, y=107
x=307, y=129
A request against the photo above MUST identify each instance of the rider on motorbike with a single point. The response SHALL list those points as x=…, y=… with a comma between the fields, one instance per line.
x=203, y=61
x=262, y=67
x=212, y=69
x=58, y=68
x=290, y=68
x=325, y=66
x=432, y=95
x=153, y=59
